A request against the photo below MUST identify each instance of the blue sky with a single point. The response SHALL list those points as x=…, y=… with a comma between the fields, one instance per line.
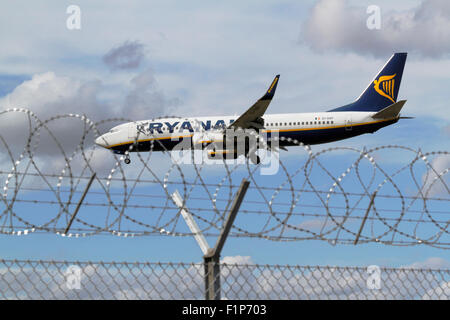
x=197, y=59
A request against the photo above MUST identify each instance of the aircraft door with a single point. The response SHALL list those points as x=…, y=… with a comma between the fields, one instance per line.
x=348, y=123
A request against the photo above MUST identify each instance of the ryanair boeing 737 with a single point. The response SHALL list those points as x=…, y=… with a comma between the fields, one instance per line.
x=375, y=108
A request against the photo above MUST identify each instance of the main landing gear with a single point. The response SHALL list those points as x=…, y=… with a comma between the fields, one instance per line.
x=127, y=159
x=255, y=159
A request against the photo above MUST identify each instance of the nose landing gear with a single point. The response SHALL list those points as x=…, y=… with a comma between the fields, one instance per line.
x=127, y=158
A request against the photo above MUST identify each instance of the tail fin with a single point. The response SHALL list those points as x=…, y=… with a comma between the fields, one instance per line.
x=383, y=90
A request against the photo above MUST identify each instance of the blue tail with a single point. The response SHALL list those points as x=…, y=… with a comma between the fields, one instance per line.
x=383, y=90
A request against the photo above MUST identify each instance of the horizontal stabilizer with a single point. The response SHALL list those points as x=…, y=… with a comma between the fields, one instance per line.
x=391, y=111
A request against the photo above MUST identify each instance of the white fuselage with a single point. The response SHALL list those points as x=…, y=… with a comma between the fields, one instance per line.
x=309, y=128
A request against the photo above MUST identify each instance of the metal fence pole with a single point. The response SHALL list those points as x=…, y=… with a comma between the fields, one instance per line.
x=80, y=202
x=212, y=258
x=365, y=217
x=212, y=277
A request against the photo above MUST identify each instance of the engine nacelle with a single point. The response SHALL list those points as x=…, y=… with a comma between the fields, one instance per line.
x=226, y=145
x=207, y=137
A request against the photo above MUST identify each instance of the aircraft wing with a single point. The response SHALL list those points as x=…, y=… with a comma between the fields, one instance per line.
x=252, y=117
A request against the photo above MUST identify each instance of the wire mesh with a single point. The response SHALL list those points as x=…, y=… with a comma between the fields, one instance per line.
x=124, y=280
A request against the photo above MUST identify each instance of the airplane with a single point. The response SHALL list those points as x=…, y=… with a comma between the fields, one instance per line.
x=375, y=108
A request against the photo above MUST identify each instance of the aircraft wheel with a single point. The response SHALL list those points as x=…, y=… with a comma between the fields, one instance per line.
x=256, y=160
x=127, y=161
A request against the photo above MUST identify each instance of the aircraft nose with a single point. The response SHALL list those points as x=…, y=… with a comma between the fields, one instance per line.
x=101, y=141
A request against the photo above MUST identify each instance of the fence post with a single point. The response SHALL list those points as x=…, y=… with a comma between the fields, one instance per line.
x=212, y=277
x=212, y=258
x=365, y=218
x=80, y=202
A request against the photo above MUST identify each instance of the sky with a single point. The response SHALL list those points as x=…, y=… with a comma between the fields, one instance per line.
x=143, y=59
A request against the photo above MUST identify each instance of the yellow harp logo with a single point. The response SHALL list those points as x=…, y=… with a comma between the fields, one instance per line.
x=387, y=86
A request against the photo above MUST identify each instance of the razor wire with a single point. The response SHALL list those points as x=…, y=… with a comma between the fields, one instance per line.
x=390, y=194
x=43, y=280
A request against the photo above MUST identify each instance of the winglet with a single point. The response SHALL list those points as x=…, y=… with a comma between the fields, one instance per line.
x=251, y=117
x=271, y=91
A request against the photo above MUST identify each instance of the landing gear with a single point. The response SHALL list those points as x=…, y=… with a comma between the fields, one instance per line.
x=255, y=159
x=127, y=160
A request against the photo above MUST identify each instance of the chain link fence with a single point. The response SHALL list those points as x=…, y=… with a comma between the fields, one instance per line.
x=112, y=280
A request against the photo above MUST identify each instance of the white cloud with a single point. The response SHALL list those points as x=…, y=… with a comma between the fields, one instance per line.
x=243, y=260
x=431, y=263
x=48, y=95
x=337, y=25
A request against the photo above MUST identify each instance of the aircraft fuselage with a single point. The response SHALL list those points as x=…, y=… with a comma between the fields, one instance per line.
x=292, y=129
